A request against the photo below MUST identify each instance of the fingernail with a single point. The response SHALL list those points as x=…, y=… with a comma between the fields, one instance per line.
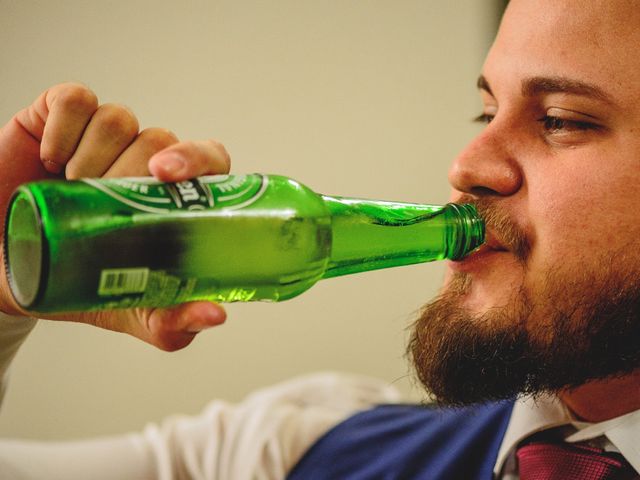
x=172, y=163
x=52, y=167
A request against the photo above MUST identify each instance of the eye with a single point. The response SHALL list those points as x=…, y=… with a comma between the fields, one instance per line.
x=559, y=125
x=484, y=118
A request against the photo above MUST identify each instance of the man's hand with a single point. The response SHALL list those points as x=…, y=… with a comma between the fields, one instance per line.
x=66, y=133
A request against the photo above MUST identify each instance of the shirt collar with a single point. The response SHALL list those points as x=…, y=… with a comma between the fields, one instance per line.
x=623, y=432
x=547, y=411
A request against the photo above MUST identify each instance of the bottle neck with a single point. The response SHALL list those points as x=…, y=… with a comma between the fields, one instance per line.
x=369, y=235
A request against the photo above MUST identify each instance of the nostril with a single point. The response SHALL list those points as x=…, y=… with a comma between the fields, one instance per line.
x=483, y=191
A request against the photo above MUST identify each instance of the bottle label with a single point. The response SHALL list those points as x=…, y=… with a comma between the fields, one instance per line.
x=229, y=192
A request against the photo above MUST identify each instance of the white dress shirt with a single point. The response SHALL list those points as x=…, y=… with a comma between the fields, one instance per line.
x=620, y=434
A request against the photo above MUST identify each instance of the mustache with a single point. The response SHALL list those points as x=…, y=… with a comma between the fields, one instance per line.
x=500, y=224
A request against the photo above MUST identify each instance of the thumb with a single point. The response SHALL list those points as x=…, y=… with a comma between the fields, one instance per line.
x=174, y=328
x=169, y=329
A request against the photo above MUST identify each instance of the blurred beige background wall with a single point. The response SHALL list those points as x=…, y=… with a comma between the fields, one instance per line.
x=359, y=98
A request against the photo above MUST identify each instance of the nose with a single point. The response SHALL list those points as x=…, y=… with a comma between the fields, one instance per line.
x=487, y=166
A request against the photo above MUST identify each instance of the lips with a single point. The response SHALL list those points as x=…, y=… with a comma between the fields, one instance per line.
x=481, y=256
x=493, y=243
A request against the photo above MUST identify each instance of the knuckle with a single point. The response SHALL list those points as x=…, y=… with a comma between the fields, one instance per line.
x=117, y=120
x=77, y=98
x=157, y=139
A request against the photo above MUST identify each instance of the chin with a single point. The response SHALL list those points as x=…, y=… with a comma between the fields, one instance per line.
x=482, y=291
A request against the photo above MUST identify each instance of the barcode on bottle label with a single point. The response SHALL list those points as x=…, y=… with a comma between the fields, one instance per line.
x=118, y=281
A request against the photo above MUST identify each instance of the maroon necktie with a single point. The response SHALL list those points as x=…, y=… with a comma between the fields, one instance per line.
x=565, y=461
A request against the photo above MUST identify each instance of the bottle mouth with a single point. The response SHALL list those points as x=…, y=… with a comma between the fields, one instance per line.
x=24, y=248
x=471, y=230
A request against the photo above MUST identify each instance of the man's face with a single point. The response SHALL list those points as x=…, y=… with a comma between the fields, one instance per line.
x=556, y=172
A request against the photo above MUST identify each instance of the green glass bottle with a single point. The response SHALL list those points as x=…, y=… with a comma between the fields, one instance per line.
x=130, y=242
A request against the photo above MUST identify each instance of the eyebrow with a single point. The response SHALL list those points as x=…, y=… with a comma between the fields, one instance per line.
x=533, y=86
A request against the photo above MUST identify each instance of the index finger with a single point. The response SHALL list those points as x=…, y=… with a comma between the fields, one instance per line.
x=186, y=160
x=67, y=108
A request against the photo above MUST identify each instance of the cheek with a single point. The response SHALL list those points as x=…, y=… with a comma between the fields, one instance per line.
x=580, y=221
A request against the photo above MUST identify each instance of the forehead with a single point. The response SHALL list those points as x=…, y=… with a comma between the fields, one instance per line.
x=589, y=40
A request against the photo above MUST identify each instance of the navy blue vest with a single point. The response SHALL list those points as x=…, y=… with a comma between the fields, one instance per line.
x=405, y=442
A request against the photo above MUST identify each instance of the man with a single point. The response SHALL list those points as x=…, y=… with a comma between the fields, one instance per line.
x=547, y=309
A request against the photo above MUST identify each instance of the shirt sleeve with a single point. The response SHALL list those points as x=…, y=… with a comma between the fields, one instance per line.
x=13, y=331
x=262, y=437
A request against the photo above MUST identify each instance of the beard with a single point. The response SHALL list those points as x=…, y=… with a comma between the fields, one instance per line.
x=576, y=327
